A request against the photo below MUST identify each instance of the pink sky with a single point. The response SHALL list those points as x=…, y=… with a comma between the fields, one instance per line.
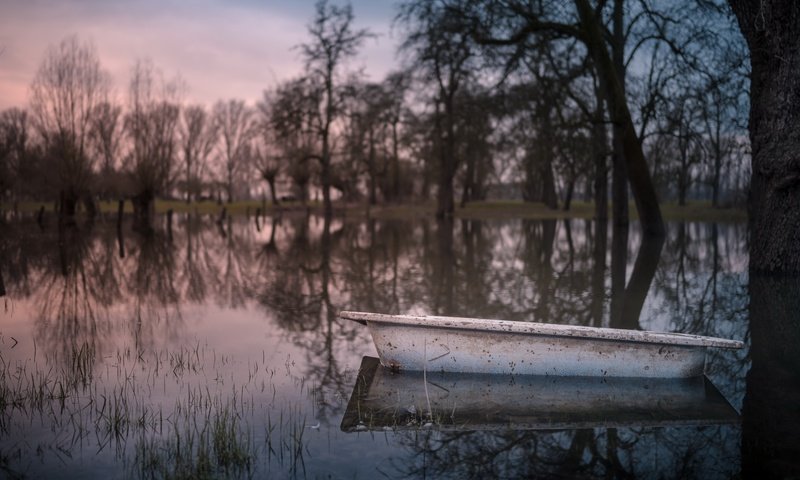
x=221, y=49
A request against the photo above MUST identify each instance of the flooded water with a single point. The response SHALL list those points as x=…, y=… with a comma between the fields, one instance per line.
x=214, y=350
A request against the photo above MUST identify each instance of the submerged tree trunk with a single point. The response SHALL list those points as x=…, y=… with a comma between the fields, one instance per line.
x=772, y=31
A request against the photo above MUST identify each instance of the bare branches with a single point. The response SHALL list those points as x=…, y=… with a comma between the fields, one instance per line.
x=68, y=86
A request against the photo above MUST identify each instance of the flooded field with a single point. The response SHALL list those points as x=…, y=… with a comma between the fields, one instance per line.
x=205, y=349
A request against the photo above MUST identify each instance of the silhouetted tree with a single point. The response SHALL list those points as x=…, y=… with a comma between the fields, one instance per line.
x=106, y=140
x=333, y=41
x=68, y=86
x=236, y=126
x=151, y=124
x=198, y=136
x=442, y=53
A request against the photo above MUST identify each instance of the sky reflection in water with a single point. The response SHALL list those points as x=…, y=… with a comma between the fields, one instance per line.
x=215, y=349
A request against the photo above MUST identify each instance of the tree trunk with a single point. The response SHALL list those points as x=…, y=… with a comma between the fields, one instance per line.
x=599, y=148
x=638, y=174
x=619, y=174
x=143, y=209
x=549, y=185
x=772, y=31
x=272, y=194
x=447, y=168
x=90, y=205
x=68, y=203
x=770, y=417
x=395, y=164
x=568, y=194
x=373, y=188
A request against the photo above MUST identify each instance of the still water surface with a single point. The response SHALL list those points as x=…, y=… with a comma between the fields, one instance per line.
x=203, y=349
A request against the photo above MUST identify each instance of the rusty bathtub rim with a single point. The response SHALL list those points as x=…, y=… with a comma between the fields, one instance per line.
x=534, y=329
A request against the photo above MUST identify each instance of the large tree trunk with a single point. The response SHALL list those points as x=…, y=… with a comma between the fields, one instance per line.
x=638, y=174
x=772, y=31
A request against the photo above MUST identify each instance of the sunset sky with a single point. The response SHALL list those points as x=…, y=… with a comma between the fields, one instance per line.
x=221, y=49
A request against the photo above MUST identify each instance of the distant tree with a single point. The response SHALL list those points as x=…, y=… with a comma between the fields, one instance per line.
x=235, y=124
x=265, y=150
x=474, y=130
x=333, y=41
x=396, y=85
x=442, y=53
x=64, y=95
x=106, y=139
x=15, y=152
x=293, y=118
x=151, y=124
x=198, y=136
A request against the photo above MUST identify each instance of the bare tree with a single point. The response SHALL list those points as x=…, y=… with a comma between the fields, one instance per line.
x=15, y=155
x=443, y=53
x=106, y=140
x=152, y=126
x=235, y=125
x=198, y=136
x=293, y=118
x=65, y=91
x=333, y=41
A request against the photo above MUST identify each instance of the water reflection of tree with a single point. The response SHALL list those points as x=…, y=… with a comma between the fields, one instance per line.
x=678, y=452
x=701, y=288
x=72, y=301
x=152, y=294
x=298, y=286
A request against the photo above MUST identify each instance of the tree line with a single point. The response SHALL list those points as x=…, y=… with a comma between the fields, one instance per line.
x=553, y=101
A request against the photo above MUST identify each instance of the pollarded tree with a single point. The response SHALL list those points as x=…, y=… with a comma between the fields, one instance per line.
x=333, y=41
x=65, y=91
x=151, y=124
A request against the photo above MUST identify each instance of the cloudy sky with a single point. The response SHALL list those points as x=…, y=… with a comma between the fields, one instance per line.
x=221, y=48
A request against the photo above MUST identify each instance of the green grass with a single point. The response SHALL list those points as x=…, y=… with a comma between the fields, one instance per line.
x=484, y=210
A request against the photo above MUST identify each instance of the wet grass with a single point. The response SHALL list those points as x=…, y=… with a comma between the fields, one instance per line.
x=186, y=412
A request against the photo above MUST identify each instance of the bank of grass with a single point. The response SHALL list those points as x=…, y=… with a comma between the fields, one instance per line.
x=485, y=210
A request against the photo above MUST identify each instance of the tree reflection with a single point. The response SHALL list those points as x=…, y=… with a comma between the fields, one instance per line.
x=674, y=452
x=300, y=270
x=72, y=312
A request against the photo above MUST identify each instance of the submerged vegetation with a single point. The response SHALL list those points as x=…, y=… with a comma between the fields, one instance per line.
x=154, y=412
